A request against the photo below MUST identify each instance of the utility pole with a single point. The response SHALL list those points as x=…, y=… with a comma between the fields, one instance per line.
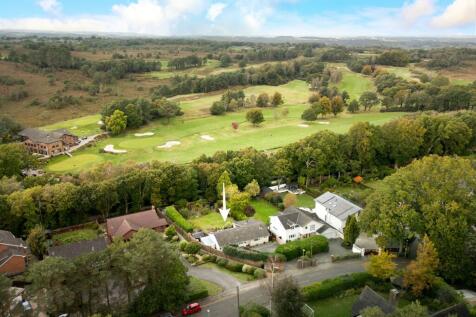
x=238, y=298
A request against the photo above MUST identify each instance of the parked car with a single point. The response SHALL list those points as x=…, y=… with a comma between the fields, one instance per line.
x=191, y=309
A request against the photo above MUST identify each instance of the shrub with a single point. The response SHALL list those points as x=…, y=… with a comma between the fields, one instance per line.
x=222, y=262
x=191, y=258
x=249, y=211
x=292, y=250
x=259, y=273
x=337, y=258
x=179, y=220
x=206, y=258
x=192, y=248
x=170, y=232
x=213, y=258
x=254, y=310
x=234, y=266
x=333, y=286
x=182, y=245
x=217, y=108
x=245, y=254
x=248, y=269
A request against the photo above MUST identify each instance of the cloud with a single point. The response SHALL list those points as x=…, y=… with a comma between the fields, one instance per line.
x=411, y=12
x=215, y=10
x=50, y=6
x=458, y=13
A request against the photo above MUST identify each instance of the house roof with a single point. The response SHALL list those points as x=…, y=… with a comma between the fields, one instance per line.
x=337, y=206
x=39, y=136
x=119, y=226
x=6, y=237
x=293, y=216
x=76, y=249
x=459, y=310
x=366, y=242
x=8, y=253
x=241, y=234
x=369, y=298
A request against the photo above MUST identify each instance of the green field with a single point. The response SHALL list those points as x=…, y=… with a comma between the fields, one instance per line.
x=355, y=84
x=196, y=285
x=81, y=126
x=75, y=236
x=264, y=210
x=238, y=275
x=211, y=222
x=305, y=200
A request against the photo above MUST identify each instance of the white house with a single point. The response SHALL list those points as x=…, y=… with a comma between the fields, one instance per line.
x=365, y=244
x=243, y=234
x=293, y=224
x=334, y=210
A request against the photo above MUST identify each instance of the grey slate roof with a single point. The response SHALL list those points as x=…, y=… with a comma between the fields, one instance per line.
x=39, y=136
x=369, y=298
x=72, y=250
x=241, y=234
x=293, y=216
x=6, y=237
x=459, y=310
x=337, y=206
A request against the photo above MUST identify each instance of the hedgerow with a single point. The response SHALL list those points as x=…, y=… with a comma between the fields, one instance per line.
x=294, y=249
x=177, y=218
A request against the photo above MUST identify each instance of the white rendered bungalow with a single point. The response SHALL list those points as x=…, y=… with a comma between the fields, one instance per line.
x=334, y=210
x=293, y=224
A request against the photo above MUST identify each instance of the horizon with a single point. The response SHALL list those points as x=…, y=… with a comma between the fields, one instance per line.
x=226, y=18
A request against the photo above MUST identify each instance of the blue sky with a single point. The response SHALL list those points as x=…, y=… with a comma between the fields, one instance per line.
x=325, y=18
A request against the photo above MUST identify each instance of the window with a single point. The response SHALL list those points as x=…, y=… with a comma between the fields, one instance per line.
x=313, y=227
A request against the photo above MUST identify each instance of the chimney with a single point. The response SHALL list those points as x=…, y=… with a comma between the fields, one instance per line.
x=393, y=296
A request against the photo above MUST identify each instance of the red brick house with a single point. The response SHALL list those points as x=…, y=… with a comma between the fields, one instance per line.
x=13, y=254
x=48, y=143
x=125, y=226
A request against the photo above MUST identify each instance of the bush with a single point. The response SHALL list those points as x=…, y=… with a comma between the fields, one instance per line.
x=222, y=262
x=249, y=211
x=213, y=258
x=191, y=259
x=234, y=266
x=254, y=310
x=245, y=254
x=179, y=220
x=248, y=269
x=170, y=232
x=337, y=258
x=192, y=248
x=292, y=250
x=333, y=286
x=259, y=273
x=217, y=108
x=196, y=290
x=183, y=245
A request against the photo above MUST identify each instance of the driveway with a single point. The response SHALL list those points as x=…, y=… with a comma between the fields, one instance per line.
x=267, y=247
x=226, y=281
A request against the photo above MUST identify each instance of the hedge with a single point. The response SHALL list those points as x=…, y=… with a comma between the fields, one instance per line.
x=234, y=266
x=293, y=249
x=259, y=273
x=177, y=218
x=337, y=258
x=196, y=290
x=333, y=286
x=192, y=248
x=248, y=269
x=241, y=253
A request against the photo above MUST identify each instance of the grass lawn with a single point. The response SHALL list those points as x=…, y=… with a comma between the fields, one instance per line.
x=82, y=126
x=75, y=236
x=355, y=84
x=210, y=222
x=239, y=276
x=197, y=284
x=305, y=200
x=264, y=210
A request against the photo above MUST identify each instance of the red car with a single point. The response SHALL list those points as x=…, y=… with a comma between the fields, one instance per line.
x=191, y=309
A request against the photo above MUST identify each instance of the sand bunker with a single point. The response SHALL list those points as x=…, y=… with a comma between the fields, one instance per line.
x=168, y=144
x=100, y=122
x=323, y=122
x=302, y=125
x=110, y=149
x=144, y=134
x=207, y=137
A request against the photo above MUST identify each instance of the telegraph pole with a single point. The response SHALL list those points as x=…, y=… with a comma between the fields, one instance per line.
x=238, y=298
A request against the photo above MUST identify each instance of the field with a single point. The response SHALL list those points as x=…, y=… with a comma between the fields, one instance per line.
x=196, y=285
x=355, y=84
x=75, y=236
x=238, y=275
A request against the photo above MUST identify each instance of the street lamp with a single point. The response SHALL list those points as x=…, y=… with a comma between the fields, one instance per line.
x=272, y=287
x=208, y=312
x=238, y=298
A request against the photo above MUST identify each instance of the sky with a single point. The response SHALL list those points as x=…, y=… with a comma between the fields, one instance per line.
x=320, y=18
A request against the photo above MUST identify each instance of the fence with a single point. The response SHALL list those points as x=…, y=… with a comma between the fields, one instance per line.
x=75, y=227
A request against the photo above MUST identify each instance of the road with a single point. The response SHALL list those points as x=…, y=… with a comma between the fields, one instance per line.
x=225, y=304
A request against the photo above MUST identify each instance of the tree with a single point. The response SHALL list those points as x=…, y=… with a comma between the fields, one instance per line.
x=351, y=231
x=382, y=265
x=337, y=105
x=262, y=100
x=223, y=179
x=117, y=122
x=169, y=110
x=235, y=125
x=225, y=60
x=37, y=241
x=255, y=117
x=13, y=158
x=217, y=108
x=367, y=70
x=368, y=99
x=8, y=129
x=252, y=188
x=326, y=106
x=427, y=197
x=414, y=309
x=277, y=99
x=134, y=115
x=309, y=115
x=314, y=98
x=353, y=106
x=421, y=273
x=5, y=296
x=289, y=200
x=238, y=203
x=287, y=298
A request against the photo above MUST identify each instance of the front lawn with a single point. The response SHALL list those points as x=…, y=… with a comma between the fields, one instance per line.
x=211, y=222
x=197, y=286
x=76, y=236
x=264, y=210
x=239, y=276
